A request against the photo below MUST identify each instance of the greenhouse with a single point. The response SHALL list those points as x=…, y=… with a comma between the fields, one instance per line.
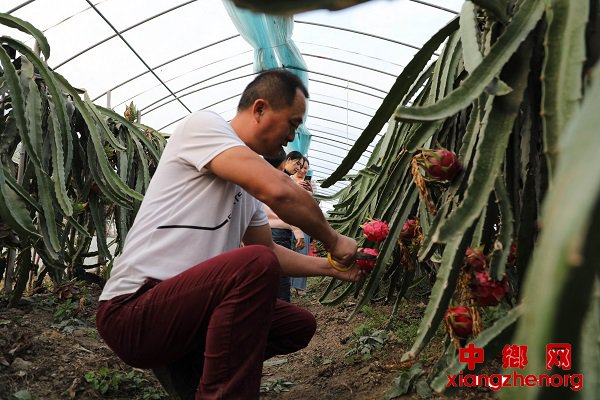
x=436, y=238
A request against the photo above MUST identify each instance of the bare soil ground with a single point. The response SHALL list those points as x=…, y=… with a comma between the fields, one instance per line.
x=49, y=349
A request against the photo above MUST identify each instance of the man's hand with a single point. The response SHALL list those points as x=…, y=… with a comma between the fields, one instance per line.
x=344, y=250
x=300, y=243
x=354, y=274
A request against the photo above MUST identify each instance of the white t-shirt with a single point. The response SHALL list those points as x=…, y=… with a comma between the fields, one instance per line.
x=188, y=214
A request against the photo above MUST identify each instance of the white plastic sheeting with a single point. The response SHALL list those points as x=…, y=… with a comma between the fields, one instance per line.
x=171, y=57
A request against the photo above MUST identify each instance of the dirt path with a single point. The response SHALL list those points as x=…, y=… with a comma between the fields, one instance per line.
x=49, y=349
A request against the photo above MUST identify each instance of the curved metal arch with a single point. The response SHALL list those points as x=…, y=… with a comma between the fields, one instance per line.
x=203, y=108
x=346, y=87
x=313, y=72
x=239, y=94
x=238, y=54
x=434, y=6
x=359, y=33
x=328, y=142
x=312, y=94
x=214, y=76
x=313, y=136
x=342, y=133
x=334, y=155
x=343, y=108
x=351, y=52
x=17, y=8
x=151, y=69
x=194, y=91
x=311, y=156
x=335, y=77
x=177, y=91
x=197, y=90
x=145, y=109
x=349, y=63
x=137, y=54
x=337, y=122
x=117, y=32
x=176, y=59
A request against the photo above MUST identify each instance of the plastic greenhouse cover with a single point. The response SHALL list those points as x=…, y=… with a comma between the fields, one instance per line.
x=173, y=57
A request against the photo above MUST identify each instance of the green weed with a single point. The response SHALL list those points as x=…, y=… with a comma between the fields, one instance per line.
x=277, y=386
x=66, y=310
x=111, y=381
x=365, y=343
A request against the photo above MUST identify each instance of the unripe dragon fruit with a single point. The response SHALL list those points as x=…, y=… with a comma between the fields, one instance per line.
x=409, y=229
x=441, y=164
x=475, y=259
x=460, y=321
x=488, y=292
x=375, y=230
x=512, y=256
x=368, y=265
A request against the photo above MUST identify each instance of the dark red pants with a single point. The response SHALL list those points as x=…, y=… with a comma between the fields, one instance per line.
x=224, y=309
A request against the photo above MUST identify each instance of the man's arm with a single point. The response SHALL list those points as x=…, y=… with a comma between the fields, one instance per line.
x=288, y=200
x=295, y=264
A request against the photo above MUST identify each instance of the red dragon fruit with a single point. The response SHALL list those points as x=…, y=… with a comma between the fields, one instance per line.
x=475, y=259
x=460, y=321
x=441, y=164
x=375, y=230
x=409, y=229
x=487, y=291
x=368, y=265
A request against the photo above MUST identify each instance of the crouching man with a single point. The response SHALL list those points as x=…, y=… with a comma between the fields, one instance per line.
x=184, y=298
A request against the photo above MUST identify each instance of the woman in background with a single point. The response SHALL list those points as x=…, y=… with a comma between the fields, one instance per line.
x=283, y=233
x=299, y=283
x=293, y=162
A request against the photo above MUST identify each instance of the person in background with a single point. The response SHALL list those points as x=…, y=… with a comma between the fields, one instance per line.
x=184, y=297
x=301, y=177
x=293, y=162
x=298, y=283
x=283, y=233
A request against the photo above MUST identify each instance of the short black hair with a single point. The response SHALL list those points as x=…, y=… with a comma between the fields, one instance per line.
x=276, y=161
x=277, y=86
x=294, y=155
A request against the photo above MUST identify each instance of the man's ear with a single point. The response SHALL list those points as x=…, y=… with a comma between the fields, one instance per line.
x=258, y=108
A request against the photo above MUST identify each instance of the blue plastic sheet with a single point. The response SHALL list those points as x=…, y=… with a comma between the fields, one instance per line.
x=271, y=38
